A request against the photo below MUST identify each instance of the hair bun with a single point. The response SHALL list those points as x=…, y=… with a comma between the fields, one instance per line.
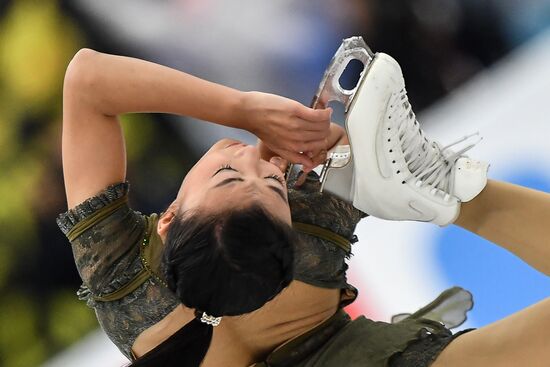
x=230, y=263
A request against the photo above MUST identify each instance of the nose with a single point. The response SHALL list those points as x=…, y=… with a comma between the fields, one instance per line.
x=248, y=151
x=250, y=156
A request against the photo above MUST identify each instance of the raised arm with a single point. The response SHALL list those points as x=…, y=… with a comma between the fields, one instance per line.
x=98, y=87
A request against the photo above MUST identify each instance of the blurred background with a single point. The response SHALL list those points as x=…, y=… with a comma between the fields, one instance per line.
x=470, y=65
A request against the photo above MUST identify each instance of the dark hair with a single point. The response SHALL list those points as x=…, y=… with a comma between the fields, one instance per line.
x=228, y=263
x=225, y=264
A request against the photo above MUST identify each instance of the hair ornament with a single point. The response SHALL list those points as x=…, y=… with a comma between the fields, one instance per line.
x=210, y=320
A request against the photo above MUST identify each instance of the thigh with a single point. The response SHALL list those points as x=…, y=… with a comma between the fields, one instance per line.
x=522, y=339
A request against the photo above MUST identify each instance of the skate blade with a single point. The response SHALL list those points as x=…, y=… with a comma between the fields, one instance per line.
x=353, y=48
x=330, y=89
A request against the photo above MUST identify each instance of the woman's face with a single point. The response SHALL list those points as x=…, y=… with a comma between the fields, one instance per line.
x=231, y=175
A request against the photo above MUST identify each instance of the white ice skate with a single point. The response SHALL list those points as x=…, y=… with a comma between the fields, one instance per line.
x=391, y=170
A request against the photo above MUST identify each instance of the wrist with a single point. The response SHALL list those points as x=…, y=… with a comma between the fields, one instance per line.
x=240, y=111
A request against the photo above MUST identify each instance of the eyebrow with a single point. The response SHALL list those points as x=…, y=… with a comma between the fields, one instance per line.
x=278, y=191
x=227, y=181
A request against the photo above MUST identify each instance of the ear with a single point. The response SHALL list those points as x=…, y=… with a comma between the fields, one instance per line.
x=165, y=220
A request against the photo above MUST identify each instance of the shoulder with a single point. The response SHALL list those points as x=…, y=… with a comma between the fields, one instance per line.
x=82, y=216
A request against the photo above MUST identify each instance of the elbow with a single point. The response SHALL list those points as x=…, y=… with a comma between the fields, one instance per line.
x=79, y=76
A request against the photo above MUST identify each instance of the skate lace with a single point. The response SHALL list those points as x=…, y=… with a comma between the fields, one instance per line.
x=427, y=161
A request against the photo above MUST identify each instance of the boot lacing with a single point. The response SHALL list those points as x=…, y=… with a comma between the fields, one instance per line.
x=428, y=162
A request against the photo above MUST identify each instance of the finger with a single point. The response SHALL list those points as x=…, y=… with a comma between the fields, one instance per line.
x=280, y=162
x=312, y=115
x=307, y=146
x=299, y=124
x=306, y=125
x=319, y=158
x=296, y=158
x=312, y=146
x=301, y=178
x=309, y=135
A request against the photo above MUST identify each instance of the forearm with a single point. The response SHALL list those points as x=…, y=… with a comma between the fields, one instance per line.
x=115, y=85
x=514, y=217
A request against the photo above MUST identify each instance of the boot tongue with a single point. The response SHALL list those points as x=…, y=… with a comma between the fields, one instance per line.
x=470, y=177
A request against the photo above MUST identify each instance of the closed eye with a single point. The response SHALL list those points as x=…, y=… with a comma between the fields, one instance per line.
x=227, y=167
x=223, y=168
x=230, y=180
x=277, y=178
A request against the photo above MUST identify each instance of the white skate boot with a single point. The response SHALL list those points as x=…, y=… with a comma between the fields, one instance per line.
x=391, y=170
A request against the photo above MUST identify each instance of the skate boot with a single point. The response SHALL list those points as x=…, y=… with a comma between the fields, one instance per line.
x=391, y=170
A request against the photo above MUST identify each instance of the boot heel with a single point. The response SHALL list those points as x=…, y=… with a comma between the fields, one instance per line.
x=337, y=176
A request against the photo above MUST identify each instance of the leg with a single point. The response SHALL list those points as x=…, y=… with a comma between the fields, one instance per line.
x=514, y=217
x=522, y=339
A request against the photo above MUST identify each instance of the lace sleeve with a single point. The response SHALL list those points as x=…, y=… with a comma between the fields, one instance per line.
x=104, y=233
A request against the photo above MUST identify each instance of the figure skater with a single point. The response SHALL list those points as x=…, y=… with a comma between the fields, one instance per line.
x=244, y=268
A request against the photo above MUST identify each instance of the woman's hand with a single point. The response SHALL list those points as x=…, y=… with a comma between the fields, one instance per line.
x=287, y=128
x=337, y=136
